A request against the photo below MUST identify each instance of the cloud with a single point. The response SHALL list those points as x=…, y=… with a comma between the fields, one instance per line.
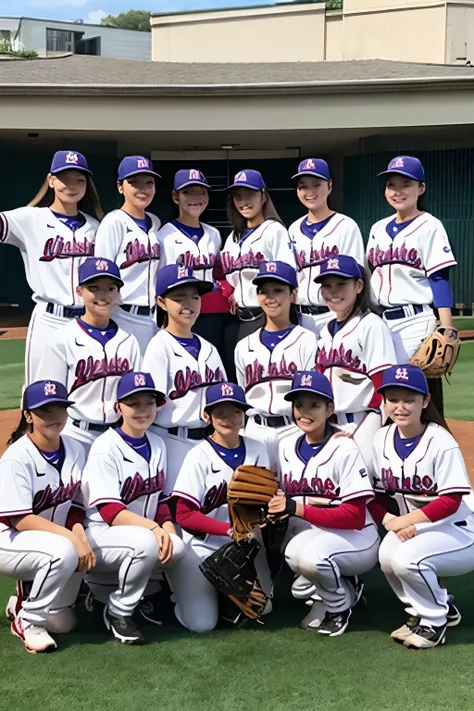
x=94, y=17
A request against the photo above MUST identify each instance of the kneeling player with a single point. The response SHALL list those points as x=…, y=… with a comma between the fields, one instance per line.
x=326, y=488
x=128, y=523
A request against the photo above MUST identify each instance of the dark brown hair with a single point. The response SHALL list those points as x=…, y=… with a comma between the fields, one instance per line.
x=362, y=302
x=293, y=315
x=239, y=223
x=23, y=428
x=90, y=203
x=428, y=414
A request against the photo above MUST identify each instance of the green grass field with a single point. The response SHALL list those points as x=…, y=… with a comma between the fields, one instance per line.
x=12, y=371
x=464, y=323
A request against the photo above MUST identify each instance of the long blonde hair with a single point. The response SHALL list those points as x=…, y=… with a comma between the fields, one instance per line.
x=90, y=203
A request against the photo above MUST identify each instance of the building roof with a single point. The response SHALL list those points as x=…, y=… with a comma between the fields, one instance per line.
x=87, y=75
x=229, y=8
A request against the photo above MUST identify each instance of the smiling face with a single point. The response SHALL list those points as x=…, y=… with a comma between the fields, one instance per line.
x=404, y=407
x=138, y=190
x=226, y=418
x=249, y=203
x=313, y=192
x=100, y=296
x=191, y=200
x=49, y=420
x=275, y=298
x=138, y=410
x=402, y=193
x=340, y=293
x=69, y=186
x=182, y=304
x=311, y=412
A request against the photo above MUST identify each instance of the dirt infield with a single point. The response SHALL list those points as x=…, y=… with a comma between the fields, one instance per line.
x=11, y=334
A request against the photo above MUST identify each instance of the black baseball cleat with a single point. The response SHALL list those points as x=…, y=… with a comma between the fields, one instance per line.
x=335, y=623
x=453, y=618
x=123, y=629
x=425, y=637
x=358, y=586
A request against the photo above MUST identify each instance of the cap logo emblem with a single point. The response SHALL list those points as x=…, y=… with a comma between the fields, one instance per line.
x=401, y=374
x=227, y=390
x=72, y=158
x=309, y=165
x=50, y=389
x=307, y=381
x=183, y=272
x=271, y=267
x=194, y=175
x=142, y=163
x=398, y=163
x=139, y=380
x=333, y=264
x=101, y=265
x=241, y=177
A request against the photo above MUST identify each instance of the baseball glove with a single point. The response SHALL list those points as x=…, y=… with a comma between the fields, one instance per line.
x=248, y=494
x=438, y=353
x=231, y=569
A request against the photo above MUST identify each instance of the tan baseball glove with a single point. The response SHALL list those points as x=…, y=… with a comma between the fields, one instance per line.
x=248, y=494
x=438, y=353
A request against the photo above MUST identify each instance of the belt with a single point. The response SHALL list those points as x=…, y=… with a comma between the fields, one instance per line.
x=137, y=310
x=246, y=314
x=402, y=311
x=90, y=426
x=273, y=421
x=65, y=311
x=196, y=433
x=314, y=310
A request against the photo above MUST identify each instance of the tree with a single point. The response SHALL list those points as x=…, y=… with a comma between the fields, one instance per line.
x=131, y=20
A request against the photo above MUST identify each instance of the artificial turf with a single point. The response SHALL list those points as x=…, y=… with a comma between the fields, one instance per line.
x=12, y=371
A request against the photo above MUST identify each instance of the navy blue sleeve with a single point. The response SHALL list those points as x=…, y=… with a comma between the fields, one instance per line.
x=442, y=295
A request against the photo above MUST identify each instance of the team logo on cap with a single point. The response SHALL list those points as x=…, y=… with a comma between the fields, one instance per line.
x=101, y=265
x=50, y=389
x=241, y=177
x=309, y=165
x=139, y=380
x=397, y=163
x=142, y=163
x=72, y=158
x=271, y=267
x=401, y=374
x=227, y=390
x=194, y=175
x=333, y=263
x=183, y=272
x=307, y=381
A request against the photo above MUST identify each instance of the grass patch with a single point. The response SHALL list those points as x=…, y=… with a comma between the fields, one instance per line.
x=459, y=392
x=464, y=323
x=12, y=373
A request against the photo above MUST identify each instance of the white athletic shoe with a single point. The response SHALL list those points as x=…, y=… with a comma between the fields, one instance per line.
x=36, y=639
x=401, y=633
x=315, y=616
x=10, y=610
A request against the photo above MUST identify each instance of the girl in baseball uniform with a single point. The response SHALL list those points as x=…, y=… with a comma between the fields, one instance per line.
x=354, y=348
x=128, y=521
x=410, y=258
x=318, y=235
x=417, y=458
x=55, y=232
x=201, y=506
x=258, y=235
x=266, y=361
x=42, y=540
x=91, y=353
x=181, y=363
x=129, y=237
x=325, y=489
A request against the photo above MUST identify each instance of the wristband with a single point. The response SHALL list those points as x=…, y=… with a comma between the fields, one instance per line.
x=290, y=509
x=155, y=527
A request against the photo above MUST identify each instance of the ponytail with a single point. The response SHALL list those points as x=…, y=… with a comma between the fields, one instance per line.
x=23, y=428
x=431, y=414
x=90, y=203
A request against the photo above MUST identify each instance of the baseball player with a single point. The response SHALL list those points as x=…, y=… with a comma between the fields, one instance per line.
x=54, y=234
x=91, y=353
x=201, y=508
x=419, y=459
x=181, y=364
x=353, y=350
x=42, y=541
x=320, y=234
x=258, y=235
x=129, y=237
x=326, y=486
x=128, y=522
x=266, y=361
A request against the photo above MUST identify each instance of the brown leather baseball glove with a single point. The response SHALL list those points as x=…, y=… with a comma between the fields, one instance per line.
x=248, y=494
x=438, y=353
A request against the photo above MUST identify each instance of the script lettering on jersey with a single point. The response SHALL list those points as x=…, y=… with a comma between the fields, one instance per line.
x=60, y=248
x=136, y=252
x=257, y=373
x=401, y=255
x=310, y=487
x=316, y=255
x=195, y=261
x=339, y=357
x=91, y=369
x=192, y=380
x=234, y=264
x=215, y=497
x=415, y=484
x=135, y=487
x=49, y=498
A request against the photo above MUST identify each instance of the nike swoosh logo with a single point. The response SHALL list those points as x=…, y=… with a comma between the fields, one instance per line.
x=51, y=227
x=409, y=444
x=40, y=473
x=130, y=461
x=215, y=471
x=79, y=344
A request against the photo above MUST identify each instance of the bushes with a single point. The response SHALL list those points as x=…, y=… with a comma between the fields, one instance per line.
x=6, y=48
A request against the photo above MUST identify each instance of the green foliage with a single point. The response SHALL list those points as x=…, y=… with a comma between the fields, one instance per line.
x=131, y=20
x=334, y=5
x=6, y=48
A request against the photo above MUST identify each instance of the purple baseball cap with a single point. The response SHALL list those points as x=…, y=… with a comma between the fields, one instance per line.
x=176, y=275
x=137, y=382
x=404, y=376
x=276, y=271
x=409, y=166
x=248, y=178
x=341, y=265
x=226, y=392
x=45, y=392
x=95, y=267
x=186, y=177
x=134, y=165
x=317, y=167
x=310, y=381
x=69, y=160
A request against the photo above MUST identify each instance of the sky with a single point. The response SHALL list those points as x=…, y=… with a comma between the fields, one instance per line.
x=94, y=10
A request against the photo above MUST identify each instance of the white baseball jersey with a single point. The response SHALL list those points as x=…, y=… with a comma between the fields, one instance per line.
x=137, y=255
x=402, y=265
x=341, y=235
x=115, y=473
x=29, y=484
x=359, y=350
x=240, y=260
x=51, y=251
x=182, y=378
x=265, y=375
x=434, y=467
x=337, y=472
x=90, y=371
x=178, y=248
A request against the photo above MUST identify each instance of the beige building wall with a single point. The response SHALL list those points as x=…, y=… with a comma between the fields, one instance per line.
x=460, y=32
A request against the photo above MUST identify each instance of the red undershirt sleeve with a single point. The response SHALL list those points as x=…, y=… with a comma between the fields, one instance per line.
x=191, y=519
x=109, y=511
x=75, y=515
x=349, y=515
x=378, y=507
x=377, y=398
x=163, y=513
x=442, y=507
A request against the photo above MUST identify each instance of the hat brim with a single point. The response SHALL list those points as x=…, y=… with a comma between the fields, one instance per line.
x=204, y=287
x=140, y=172
x=71, y=167
x=313, y=174
x=401, y=172
x=381, y=388
x=100, y=276
x=336, y=272
x=192, y=182
x=242, y=405
x=261, y=278
x=159, y=395
x=290, y=396
x=246, y=185
x=50, y=401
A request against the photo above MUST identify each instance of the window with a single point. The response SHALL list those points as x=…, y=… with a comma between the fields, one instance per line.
x=5, y=36
x=59, y=41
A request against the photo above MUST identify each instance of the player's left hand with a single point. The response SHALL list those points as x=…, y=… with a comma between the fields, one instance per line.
x=406, y=533
x=165, y=544
x=397, y=524
x=277, y=504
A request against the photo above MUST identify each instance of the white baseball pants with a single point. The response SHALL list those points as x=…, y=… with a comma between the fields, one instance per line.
x=142, y=327
x=85, y=437
x=315, y=322
x=177, y=447
x=408, y=333
x=42, y=329
x=270, y=437
x=363, y=430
